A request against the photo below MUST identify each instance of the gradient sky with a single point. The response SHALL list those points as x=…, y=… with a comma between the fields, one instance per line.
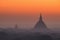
x=26, y=12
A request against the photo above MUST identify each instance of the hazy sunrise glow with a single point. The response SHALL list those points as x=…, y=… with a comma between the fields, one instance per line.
x=30, y=6
x=27, y=11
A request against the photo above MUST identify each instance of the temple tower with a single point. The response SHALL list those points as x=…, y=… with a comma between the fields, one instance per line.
x=40, y=26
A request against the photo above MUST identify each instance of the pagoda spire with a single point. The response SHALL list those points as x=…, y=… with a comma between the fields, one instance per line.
x=40, y=25
x=40, y=17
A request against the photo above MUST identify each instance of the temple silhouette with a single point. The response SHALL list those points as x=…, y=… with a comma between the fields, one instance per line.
x=40, y=26
x=16, y=26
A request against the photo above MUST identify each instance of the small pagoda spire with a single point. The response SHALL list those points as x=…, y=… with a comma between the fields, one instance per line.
x=16, y=26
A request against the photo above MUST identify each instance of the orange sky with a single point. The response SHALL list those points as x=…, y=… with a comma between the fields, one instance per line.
x=30, y=6
x=18, y=10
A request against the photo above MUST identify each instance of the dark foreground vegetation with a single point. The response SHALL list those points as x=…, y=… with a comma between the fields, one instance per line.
x=26, y=36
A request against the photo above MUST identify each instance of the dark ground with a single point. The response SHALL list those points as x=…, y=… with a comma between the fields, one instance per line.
x=25, y=36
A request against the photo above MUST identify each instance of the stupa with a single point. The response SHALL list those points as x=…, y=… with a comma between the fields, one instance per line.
x=40, y=26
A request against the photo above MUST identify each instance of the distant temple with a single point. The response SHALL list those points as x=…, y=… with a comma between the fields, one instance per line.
x=16, y=26
x=40, y=26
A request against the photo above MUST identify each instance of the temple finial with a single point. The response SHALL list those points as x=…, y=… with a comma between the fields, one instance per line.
x=40, y=16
